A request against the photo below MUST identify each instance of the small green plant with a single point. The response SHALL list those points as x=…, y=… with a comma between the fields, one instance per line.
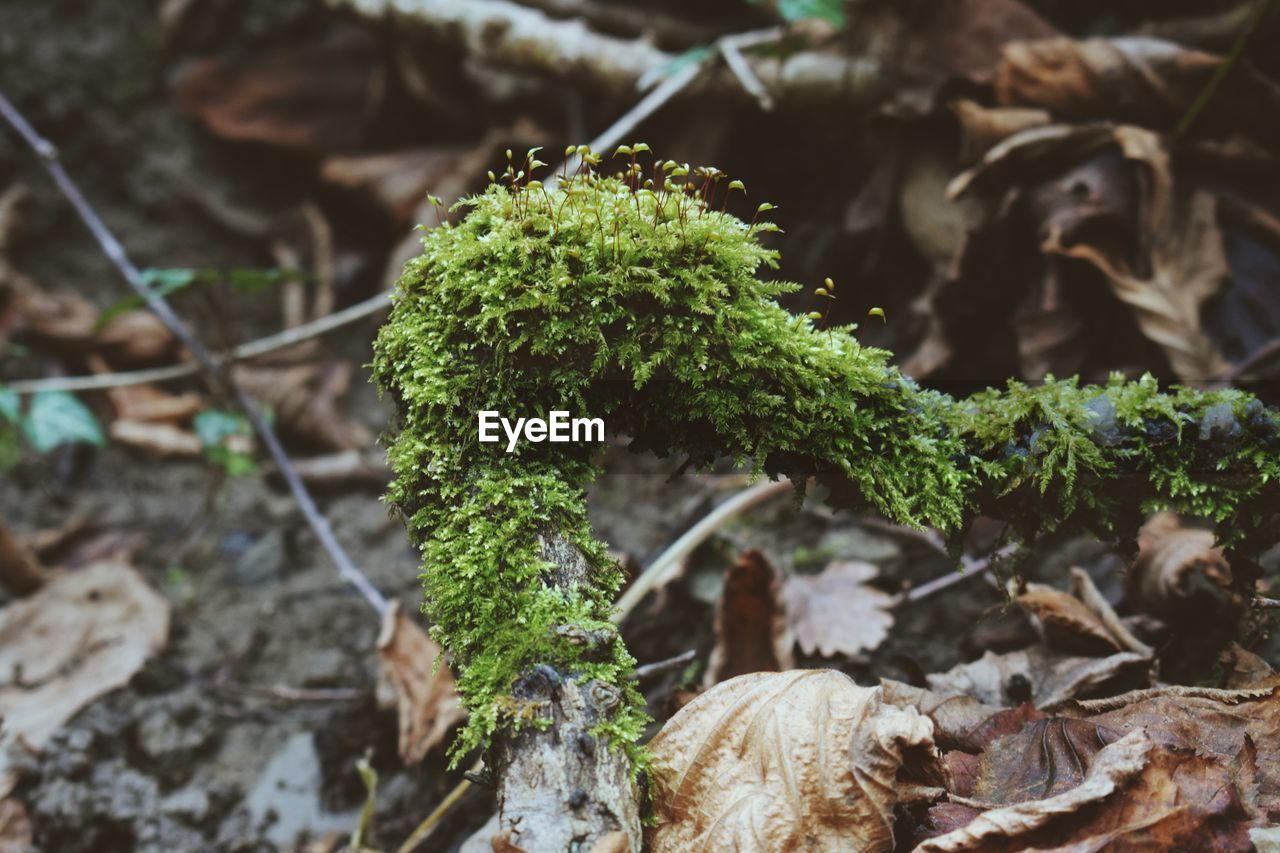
x=635, y=297
x=51, y=419
x=223, y=436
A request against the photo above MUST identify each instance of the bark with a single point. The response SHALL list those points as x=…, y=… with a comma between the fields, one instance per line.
x=509, y=34
x=562, y=788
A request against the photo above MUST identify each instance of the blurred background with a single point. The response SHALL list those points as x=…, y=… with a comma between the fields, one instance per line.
x=1024, y=187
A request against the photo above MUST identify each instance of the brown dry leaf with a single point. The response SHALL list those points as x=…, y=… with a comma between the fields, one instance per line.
x=835, y=612
x=82, y=634
x=305, y=400
x=1145, y=81
x=134, y=338
x=1048, y=678
x=1175, y=566
x=20, y=571
x=162, y=439
x=15, y=827
x=1136, y=795
x=1065, y=623
x=1246, y=670
x=317, y=97
x=424, y=694
x=752, y=633
x=783, y=761
x=1181, y=266
x=981, y=127
x=1048, y=756
x=1228, y=724
x=959, y=721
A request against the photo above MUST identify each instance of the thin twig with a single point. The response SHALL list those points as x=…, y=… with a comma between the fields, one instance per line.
x=669, y=561
x=252, y=349
x=1224, y=68
x=437, y=814
x=115, y=252
x=970, y=567
x=737, y=63
x=649, y=670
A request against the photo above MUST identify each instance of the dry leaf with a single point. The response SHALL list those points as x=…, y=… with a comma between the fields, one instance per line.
x=835, y=612
x=1229, y=724
x=80, y=635
x=1045, y=677
x=1185, y=262
x=1175, y=566
x=752, y=634
x=1136, y=795
x=1112, y=767
x=1044, y=759
x=317, y=97
x=1144, y=81
x=1065, y=623
x=134, y=338
x=959, y=721
x=782, y=761
x=159, y=438
x=1245, y=669
x=423, y=693
x=20, y=571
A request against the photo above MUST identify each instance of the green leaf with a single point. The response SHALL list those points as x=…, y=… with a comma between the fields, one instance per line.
x=9, y=404
x=831, y=11
x=213, y=426
x=56, y=418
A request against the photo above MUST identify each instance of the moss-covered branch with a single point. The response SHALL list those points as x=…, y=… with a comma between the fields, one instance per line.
x=633, y=298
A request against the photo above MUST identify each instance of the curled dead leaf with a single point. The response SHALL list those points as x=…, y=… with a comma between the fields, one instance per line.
x=305, y=399
x=752, y=632
x=1065, y=623
x=413, y=679
x=835, y=612
x=1039, y=675
x=1175, y=566
x=780, y=761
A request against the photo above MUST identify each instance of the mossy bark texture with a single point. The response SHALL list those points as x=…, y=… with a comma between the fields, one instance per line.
x=636, y=300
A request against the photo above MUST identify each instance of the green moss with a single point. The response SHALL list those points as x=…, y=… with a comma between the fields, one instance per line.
x=642, y=306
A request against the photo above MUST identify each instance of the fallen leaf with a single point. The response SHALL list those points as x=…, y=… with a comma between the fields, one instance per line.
x=1044, y=759
x=398, y=180
x=835, y=612
x=781, y=761
x=317, y=97
x=1246, y=670
x=1177, y=568
x=959, y=720
x=1229, y=724
x=1065, y=623
x=1047, y=678
x=162, y=439
x=752, y=633
x=1184, y=262
x=135, y=338
x=1141, y=80
x=1136, y=795
x=80, y=635
x=421, y=687
x=20, y=571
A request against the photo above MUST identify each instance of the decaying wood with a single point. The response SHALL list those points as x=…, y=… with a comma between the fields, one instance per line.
x=562, y=788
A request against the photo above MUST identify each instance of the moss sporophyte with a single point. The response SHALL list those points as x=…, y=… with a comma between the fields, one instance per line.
x=633, y=298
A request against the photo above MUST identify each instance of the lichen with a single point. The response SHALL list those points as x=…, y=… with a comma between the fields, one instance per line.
x=639, y=301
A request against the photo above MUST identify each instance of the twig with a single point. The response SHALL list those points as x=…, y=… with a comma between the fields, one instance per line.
x=650, y=670
x=437, y=814
x=252, y=349
x=1261, y=11
x=970, y=567
x=738, y=65
x=1266, y=603
x=669, y=561
x=1260, y=358
x=115, y=252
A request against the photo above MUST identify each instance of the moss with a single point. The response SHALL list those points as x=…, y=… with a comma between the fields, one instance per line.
x=616, y=298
